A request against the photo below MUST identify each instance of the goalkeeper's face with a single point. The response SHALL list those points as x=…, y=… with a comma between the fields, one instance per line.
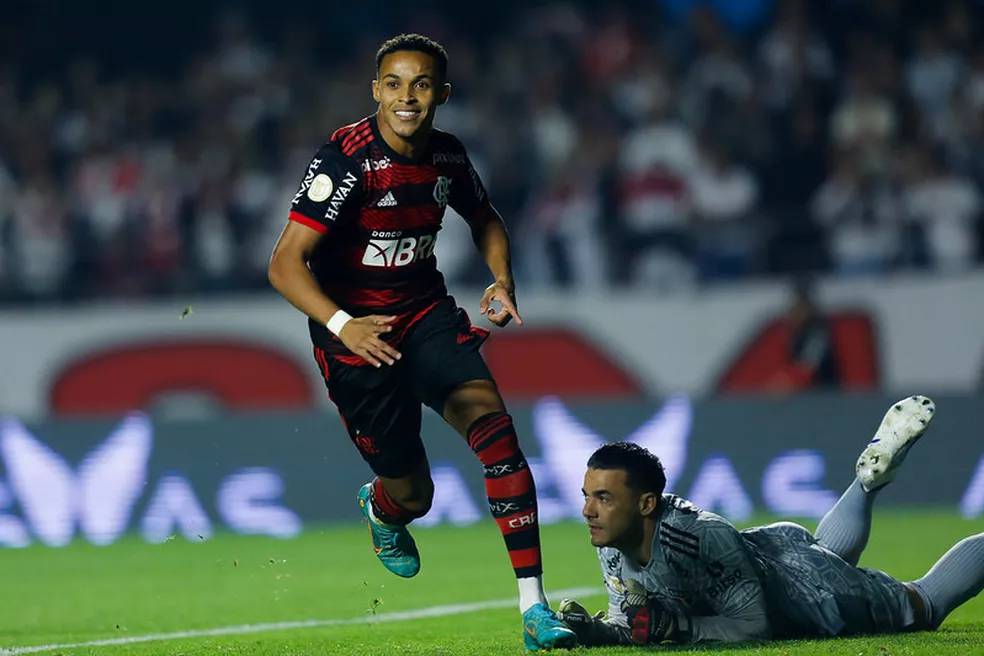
x=613, y=510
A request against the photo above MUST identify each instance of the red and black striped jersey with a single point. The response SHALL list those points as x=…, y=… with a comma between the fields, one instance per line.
x=380, y=214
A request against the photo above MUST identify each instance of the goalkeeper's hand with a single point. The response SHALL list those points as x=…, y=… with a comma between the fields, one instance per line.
x=572, y=613
x=579, y=620
x=649, y=622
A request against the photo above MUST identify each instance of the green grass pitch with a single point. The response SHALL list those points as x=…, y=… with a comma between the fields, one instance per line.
x=83, y=593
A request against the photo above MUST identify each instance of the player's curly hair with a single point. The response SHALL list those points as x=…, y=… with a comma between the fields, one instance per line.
x=417, y=43
x=643, y=471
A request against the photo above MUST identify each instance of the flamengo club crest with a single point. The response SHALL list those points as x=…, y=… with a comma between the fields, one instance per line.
x=442, y=189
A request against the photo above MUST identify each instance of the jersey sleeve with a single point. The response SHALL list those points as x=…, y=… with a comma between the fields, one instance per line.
x=468, y=195
x=611, y=569
x=731, y=589
x=329, y=190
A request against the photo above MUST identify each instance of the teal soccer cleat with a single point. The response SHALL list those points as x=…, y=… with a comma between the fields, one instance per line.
x=394, y=546
x=543, y=630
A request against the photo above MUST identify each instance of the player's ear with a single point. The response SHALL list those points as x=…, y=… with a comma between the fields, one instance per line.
x=375, y=90
x=444, y=93
x=648, y=503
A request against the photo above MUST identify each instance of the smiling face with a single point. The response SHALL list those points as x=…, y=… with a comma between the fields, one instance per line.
x=615, y=512
x=408, y=89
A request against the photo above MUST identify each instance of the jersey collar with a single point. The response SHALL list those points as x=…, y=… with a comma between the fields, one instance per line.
x=392, y=154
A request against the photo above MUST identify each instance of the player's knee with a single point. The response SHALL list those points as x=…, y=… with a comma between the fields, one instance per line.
x=791, y=530
x=470, y=402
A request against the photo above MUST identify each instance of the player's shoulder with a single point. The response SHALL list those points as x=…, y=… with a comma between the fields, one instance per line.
x=688, y=521
x=353, y=139
x=447, y=148
x=679, y=509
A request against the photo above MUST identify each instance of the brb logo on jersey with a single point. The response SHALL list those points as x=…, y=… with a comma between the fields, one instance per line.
x=388, y=249
x=442, y=189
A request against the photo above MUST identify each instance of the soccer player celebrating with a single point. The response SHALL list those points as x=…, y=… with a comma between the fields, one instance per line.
x=679, y=574
x=357, y=257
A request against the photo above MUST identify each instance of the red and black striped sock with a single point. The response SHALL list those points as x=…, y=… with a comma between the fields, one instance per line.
x=509, y=486
x=386, y=509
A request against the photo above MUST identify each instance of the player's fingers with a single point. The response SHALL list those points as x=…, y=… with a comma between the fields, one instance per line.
x=382, y=351
x=387, y=350
x=483, y=305
x=369, y=357
x=381, y=320
x=379, y=325
x=510, y=307
x=379, y=355
x=494, y=306
x=500, y=318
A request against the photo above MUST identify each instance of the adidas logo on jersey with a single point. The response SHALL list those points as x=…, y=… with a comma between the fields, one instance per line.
x=387, y=201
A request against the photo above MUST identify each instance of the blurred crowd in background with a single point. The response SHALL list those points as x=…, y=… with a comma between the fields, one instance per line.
x=656, y=145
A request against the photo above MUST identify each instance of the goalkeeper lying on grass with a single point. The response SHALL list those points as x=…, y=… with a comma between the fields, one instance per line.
x=676, y=573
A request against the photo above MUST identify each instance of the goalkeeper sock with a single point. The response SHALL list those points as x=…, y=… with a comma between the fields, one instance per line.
x=955, y=578
x=510, y=490
x=846, y=527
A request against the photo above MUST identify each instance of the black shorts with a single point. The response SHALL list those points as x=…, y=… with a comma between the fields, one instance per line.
x=381, y=407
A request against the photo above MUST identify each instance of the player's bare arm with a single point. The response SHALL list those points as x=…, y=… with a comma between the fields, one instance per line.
x=289, y=274
x=492, y=241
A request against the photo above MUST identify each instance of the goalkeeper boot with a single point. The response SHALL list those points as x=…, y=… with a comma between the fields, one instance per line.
x=904, y=423
x=542, y=629
x=393, y=544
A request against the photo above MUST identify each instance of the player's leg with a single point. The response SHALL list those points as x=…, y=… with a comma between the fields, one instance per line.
x=382, y=417
x=846, y=527
x=955, y=578
x=477, y=412
x=453, y=380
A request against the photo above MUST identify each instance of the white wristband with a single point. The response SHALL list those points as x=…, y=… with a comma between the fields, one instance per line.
x=338, y=321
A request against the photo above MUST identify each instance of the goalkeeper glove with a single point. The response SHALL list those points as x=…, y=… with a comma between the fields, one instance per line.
x=592, y=630
x=649, y=622
x=577, y=616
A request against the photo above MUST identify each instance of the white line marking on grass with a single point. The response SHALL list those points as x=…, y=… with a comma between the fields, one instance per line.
x=242, y=629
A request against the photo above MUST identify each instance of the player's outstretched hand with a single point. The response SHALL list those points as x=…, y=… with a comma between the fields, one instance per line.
x=361, y=336
x=504, y=296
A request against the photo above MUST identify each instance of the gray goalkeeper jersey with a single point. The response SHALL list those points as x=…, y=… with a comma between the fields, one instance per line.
x=771, y=581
